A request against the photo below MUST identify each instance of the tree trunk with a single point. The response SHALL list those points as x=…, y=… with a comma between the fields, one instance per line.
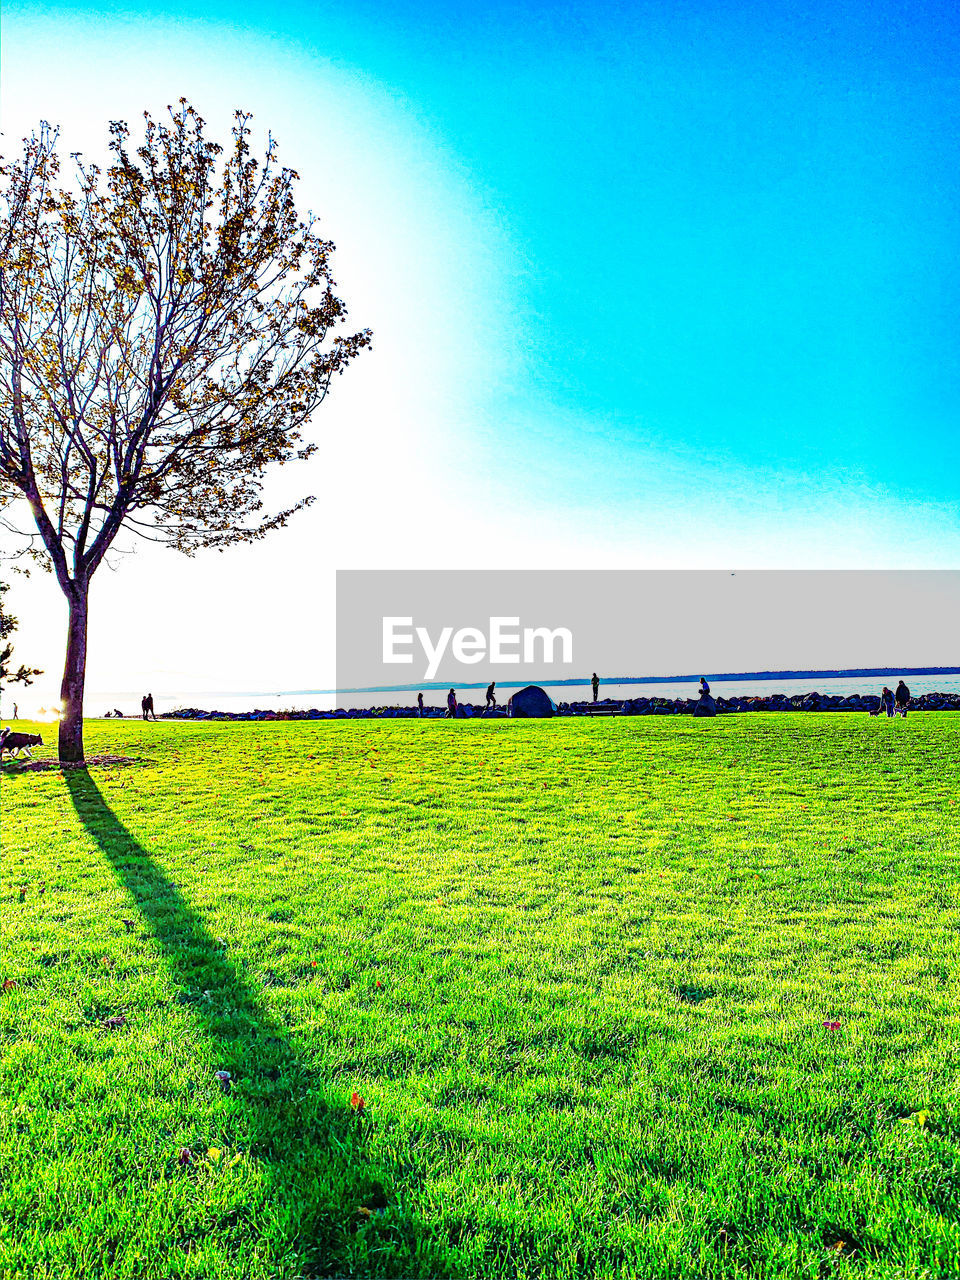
x=74, y=675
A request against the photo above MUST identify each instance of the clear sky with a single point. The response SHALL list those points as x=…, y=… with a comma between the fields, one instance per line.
x=652, y=285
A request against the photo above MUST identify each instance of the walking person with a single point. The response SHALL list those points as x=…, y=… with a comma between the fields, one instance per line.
x=887, y=701
x=491, y=696
x=451, y=706
x=147, y=705
x=143, y=706
x=16, y=712
x=595, y=684
x=902, y=699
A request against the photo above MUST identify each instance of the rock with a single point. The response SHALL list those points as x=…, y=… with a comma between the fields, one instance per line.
x=531, y=702
x=707, y=706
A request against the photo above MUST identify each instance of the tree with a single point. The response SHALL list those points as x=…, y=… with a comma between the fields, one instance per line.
x=168, y=326
x=8, y=673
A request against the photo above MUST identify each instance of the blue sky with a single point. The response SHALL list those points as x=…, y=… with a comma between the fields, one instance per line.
x=738, y=224
x=652, y=285
x=741, y=223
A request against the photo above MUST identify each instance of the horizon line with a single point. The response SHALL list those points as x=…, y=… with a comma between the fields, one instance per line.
x=572, y=681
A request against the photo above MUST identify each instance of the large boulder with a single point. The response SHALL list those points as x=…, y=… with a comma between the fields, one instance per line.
x=707, y=706
x=532, y=703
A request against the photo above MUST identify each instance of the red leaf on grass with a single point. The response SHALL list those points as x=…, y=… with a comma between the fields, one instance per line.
x=357, y=1103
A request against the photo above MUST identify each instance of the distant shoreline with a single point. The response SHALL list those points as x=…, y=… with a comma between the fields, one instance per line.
x=712, y=706
x=574, y=681
x=570, y=682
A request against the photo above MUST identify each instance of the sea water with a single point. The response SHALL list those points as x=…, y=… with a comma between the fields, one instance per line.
x=97, y=703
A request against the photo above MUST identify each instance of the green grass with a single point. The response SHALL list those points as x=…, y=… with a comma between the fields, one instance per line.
x=605, y=953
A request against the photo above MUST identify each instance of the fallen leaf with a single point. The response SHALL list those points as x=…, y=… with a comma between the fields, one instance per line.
x=918, y=1118
x=357, y=1103
x=118, y=1020
x=184, y=1156
x=9, y=984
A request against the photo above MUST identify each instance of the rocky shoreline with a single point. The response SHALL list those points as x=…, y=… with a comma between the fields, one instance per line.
x=814, y=701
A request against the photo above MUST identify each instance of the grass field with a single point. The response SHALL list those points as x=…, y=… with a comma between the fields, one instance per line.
x=578, y=971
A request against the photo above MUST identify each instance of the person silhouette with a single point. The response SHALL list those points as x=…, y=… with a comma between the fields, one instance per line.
x=595, y=684
x=704, y=687
x=451, y=705
x=146, y=705
x=491, y=696
x=902, y=699
x=420, y=704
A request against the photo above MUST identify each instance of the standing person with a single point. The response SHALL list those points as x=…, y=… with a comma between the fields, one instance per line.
x=886, y=701
x=420, y=704
x=704, y=687
x=148, y=710
x=902, y=699
x=595, y=684
x=16, y=712
x=143, y=706
x=451, y=705
x=491, y=696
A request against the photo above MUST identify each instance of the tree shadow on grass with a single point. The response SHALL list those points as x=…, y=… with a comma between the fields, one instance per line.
x=320, y=1175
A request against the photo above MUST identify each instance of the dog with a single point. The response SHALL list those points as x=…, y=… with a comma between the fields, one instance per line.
x=17, y=743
